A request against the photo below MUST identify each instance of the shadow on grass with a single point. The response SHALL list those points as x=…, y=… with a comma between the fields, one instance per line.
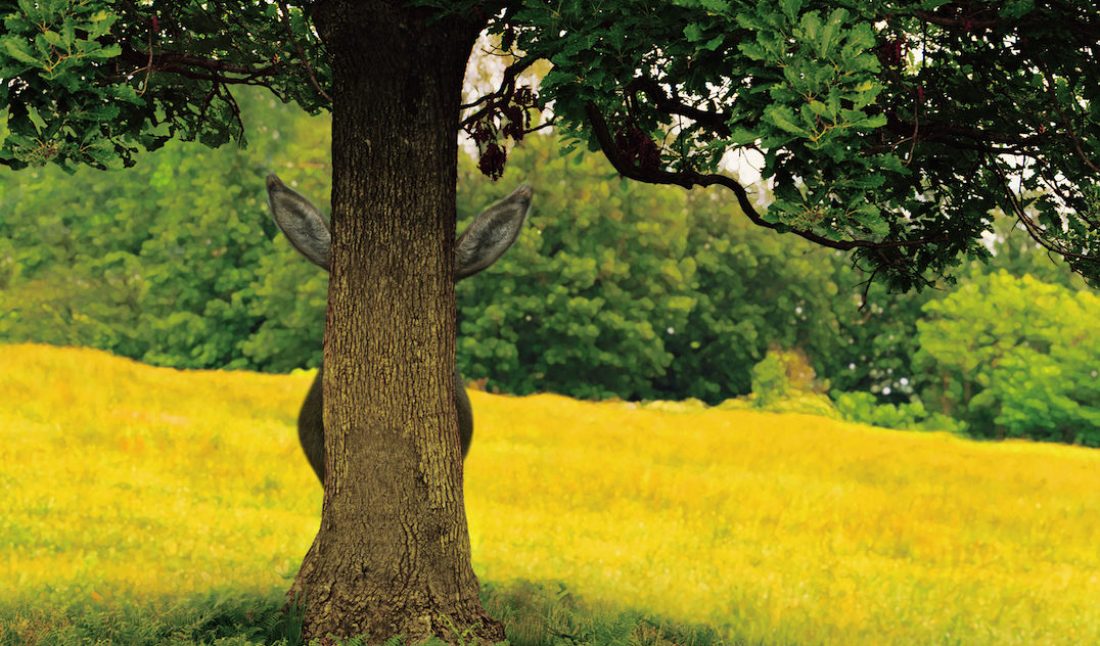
x=227, y=618
x=534, y=614
x=547, y=614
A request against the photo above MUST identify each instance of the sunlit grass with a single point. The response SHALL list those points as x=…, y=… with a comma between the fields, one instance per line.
x=123, y=485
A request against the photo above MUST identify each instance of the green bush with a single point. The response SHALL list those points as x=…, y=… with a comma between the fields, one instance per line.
x=171, y=262
x=865, y=408
x=770, y=382
x=1015, y=357
x=785, y=382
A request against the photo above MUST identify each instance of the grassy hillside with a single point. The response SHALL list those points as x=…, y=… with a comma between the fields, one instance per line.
x=125, y=491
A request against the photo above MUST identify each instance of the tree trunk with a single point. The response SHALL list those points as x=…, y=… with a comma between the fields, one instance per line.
x=392, y=556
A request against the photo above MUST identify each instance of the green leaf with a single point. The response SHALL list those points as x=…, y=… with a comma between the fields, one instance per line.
x=828, y=38
x=870, y=217
x=810, y=26
x=784, y=118
x=53, y=38
x=1017, y=8
x=36, y=119
x=104, y=53
x=861, y=37
x=4, y=131
x=791, y=8
x=872, y=122
x=693, y=32
x=753, y=51
x=742, y=137
x=17, y=49
x=713, y=43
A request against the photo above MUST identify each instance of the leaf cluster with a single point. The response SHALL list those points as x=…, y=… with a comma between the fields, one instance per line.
x=172, y=261
x=891, y=128
x=93, y=82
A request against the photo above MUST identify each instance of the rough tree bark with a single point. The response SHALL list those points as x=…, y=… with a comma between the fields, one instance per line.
x=393, y=553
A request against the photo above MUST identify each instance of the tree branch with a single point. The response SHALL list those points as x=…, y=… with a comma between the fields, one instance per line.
x=715, y=122
x=963, y=22
x=199, y=68
x=689, y=179
x=285, y=12
x=501, y=96
x=1037, y=233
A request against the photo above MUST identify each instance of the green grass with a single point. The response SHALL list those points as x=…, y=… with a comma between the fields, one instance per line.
x=535, y=615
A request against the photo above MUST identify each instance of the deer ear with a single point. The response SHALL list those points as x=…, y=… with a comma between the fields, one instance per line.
x=490, y=235
x=300, y=221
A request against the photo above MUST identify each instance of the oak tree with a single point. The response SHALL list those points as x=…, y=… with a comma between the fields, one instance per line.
x=888, y=128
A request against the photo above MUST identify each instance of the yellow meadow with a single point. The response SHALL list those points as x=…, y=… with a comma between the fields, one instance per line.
x=120, y=481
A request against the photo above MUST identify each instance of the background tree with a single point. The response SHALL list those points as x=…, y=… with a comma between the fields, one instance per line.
x=1015, y=357
x=621, y=289
x=889, y=129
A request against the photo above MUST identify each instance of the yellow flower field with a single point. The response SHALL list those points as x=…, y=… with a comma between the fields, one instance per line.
x=122, y=481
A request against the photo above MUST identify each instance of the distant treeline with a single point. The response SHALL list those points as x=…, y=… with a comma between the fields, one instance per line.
x=615, y=289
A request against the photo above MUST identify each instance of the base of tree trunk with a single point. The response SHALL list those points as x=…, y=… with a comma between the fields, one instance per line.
x=362, y=608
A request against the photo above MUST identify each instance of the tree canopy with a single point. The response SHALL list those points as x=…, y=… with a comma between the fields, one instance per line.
x=888, y=128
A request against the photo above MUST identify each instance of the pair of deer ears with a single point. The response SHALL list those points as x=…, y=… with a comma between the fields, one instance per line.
x=479, y=246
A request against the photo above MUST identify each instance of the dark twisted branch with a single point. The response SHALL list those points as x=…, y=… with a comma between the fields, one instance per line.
x=1070, y=132
x=713, y=121
x=949, y=134
x=188, y=61
x=1082, y=28
x=200, y=69
x=503, y=94
x=689, y=179
x=956, y=21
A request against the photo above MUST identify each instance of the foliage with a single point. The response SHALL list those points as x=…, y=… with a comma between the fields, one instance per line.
x=624, y=290
x=878, y=329
x=865, y=408
x=770, y=381
x=150, y=505
x=785, y=382
x=582, y=303
x=170, y=262
x=1015, y=357
x=632, y=291
x=877, y=337
x=902, y=123
x=620, y=289
x=890, y=128
x=781, y=374
x=99, y=81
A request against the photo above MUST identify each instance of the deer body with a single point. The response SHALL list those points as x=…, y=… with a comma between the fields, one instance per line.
x=311, y=427
x=483, y=242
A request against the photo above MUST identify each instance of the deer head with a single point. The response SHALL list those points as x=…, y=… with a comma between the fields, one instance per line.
x=483, y=242
x=479, y=246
